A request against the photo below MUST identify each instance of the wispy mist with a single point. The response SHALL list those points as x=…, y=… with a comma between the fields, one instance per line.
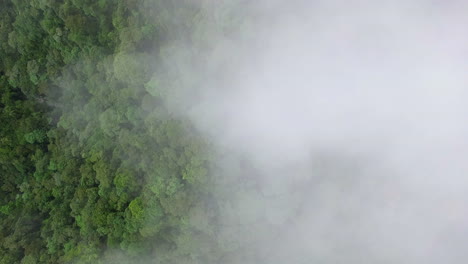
x=353, y=118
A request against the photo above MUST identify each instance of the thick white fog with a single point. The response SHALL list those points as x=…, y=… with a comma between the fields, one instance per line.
x=354, y=116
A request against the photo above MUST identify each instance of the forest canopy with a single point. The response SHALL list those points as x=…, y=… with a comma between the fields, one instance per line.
x=96, y=166
x=233, y=132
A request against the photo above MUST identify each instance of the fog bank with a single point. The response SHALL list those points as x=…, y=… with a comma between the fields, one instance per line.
x=352, y=116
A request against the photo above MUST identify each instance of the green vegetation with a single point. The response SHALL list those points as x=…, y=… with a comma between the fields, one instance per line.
x=95, y=165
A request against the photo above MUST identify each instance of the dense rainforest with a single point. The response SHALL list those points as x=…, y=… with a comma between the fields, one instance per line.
x=228, y=132
x=96, y=166
x=233, y=132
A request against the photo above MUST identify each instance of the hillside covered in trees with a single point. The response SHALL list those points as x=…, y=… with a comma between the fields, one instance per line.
x=95, y=164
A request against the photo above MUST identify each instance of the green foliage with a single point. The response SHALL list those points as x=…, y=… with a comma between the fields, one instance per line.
x=92, y=158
